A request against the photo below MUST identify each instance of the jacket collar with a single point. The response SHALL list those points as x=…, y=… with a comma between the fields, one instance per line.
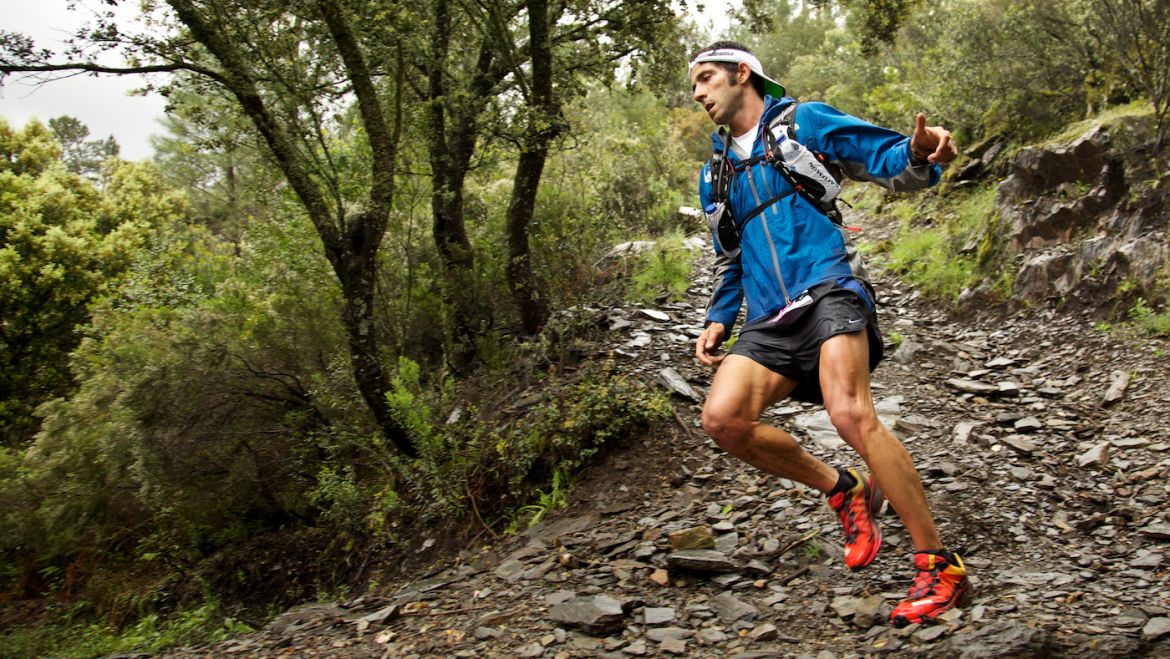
x=772, y=108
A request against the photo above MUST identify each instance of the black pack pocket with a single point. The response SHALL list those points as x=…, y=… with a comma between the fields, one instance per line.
x=723, y=229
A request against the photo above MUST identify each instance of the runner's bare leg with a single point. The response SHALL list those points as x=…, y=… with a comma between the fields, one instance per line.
x=740, y=392
x=844, y=371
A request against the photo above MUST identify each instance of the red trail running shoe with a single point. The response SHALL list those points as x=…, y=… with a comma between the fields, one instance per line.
x=941, y=584
x=857, y=509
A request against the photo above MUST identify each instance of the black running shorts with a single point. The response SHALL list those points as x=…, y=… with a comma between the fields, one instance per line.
x=794, y=350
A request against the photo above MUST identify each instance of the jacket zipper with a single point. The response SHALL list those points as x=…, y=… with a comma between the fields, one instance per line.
x=768, y=234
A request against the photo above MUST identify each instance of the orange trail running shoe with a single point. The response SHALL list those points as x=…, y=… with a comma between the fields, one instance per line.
x=857, y=508
x=941, y=584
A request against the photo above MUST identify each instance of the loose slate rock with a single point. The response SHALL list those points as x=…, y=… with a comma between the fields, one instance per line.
x=699, y=537
x=658, y=615
x=1156, y=628
x=764, y=632
x=1117, y=387
x=660, y=634
x=1096, y=456
x=597, y=615
x=972, y=386
x=1022, y=445
x=731, y=609
x=677, y=383
x=928, y=634
x=1157, y=530
x=1028, y=424
x=1000, y=639
x=702, y=560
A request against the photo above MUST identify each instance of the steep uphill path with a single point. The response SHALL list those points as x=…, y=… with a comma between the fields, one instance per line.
x=1044, y=443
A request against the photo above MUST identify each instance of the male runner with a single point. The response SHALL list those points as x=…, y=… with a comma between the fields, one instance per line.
x=811, y=329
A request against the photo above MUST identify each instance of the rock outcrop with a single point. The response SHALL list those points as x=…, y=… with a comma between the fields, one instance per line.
x=1087, y=217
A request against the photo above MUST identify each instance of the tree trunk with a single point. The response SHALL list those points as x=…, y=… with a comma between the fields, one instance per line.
x=525, y=293
x=351, y=247
x=453, y=115
x=357, y=276
x=544, y=124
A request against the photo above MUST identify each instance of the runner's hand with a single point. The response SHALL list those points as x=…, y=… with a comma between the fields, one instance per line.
x=935, y=143
x=709, y=341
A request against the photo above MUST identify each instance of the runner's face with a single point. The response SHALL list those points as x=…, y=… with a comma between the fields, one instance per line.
x=713, y=88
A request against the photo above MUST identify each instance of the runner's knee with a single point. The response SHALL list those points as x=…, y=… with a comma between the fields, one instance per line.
x=727, y=429
x=855, y=423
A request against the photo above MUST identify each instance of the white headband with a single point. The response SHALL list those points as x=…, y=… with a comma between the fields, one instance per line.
x=735, y=55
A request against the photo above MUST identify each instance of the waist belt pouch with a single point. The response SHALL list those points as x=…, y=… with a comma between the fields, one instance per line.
x=723, y=229
x=796, y=309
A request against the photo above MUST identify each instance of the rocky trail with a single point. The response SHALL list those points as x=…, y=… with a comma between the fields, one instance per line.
x=1044, y=444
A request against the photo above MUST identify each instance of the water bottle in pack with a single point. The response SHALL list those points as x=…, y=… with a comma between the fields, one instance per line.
x=804, y=169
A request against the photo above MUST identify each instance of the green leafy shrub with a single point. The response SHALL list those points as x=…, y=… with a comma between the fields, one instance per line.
x=955, y=249
x=666, y=271
x=151, y=633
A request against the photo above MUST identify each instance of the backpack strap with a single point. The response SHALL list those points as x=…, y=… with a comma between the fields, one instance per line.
x=787, y=120
x=723, y=169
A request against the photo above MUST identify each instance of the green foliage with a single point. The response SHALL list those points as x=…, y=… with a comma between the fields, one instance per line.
x=1149, y=321
x=896, y=338
x=81, y=156
x=556, y=498
x=1137, y=33
x=665, y=271
x=206, y=384
x=151, y=633
x=937, y=255
x=628, y=174
x=64, y=244
x=490, y=468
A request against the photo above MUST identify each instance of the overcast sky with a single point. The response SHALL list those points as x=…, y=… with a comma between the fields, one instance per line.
x=103, y=102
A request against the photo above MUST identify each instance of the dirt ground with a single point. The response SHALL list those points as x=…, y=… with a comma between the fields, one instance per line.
x=1044, y=444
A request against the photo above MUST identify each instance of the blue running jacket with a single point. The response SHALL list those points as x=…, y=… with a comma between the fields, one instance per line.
x=791, y=246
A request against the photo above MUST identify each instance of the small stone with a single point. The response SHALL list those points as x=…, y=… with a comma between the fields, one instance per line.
x=699, y=537
x=928, y=634
x=1028, y=424
x=595, y=615
x=972, y=386
x=1008, y=389
x=1157, y=530
x=659, y=634
x=999, y=639
x=713, y=636
x=1117, y=387
x=764, y=632
x=702, y=560
x=758, y=568
x=1156, y=628
x=1149, y=561
x=484, y=633
x=1097, y=456
x=1021, y=473
x=731, y=609
x=1020, y=444
x=654, y=314
x=637, y=648
x=660, y=577
x=678, y=384
x=673, y=646
x=658, y=615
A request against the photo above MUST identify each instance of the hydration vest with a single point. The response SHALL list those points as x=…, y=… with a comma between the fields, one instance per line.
x=806, y=171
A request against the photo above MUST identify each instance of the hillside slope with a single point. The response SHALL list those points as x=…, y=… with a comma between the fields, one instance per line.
x=1043, y=443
